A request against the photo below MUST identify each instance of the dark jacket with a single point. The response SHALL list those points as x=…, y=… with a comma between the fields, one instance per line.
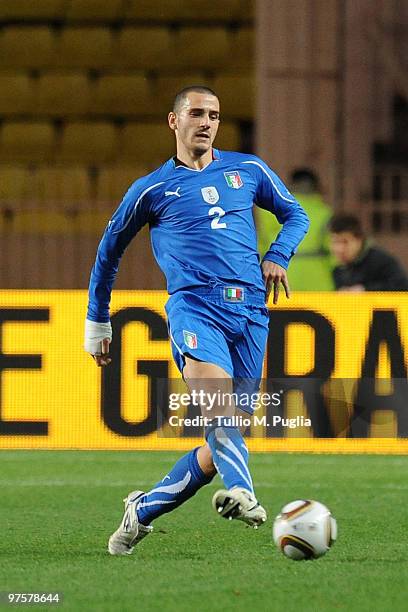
x=375, y=269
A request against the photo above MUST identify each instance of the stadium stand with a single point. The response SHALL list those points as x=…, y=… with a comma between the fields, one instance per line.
x=87, y=143
x=16, y=94
x=146, y=143
x=62, y=185
x=85, y=88
x=243, y=44
x=63, y=95
x=26, y=47
x=188, y=10
x=93, y=11
x=229, y=137
x=15, y=184
x=145, y=48
x=114, y=181
x=123, y=94
x=237, y=95
x=114, y=11
x=84, y=48
x=208, y=48
x=26, y=142
x=35, y=10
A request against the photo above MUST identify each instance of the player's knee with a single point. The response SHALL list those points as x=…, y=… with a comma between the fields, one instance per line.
x=213, y=386
x=205, y=461
x=196, y=370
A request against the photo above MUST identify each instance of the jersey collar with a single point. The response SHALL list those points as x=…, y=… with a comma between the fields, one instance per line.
x=216, y=156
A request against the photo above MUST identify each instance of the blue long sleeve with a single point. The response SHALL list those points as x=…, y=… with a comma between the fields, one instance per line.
x=131, y=215
x=272, y=195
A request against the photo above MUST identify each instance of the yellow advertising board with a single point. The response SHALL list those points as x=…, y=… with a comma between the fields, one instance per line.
x=52, y=395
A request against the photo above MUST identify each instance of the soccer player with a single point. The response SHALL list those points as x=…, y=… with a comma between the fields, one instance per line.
x=199, y=206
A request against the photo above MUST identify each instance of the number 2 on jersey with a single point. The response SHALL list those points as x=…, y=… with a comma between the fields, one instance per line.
x=217, y=212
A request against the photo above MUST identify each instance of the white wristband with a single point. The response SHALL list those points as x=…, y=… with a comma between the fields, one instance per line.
x=94, y=334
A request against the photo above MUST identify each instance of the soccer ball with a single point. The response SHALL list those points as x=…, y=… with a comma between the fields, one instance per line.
x=304, y=529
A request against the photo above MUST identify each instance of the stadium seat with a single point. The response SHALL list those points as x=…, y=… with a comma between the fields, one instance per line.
x=206, y=48
x=166, y=87
x=84, y=47
x=247, y=8
x=93, y=10
x=87, y=143
x=236, y=94
x=15, y=184
x=26, y=142
x=62, y=186
x=161, y=10
x=120, y=94
x=31, y=10
x=114, y=181
x=243, y=42
x=228, y=137
x=185, y=10
x=148, y=144
x=145, y=48
x=63, y=94
x=16, y=94
x=26, y=47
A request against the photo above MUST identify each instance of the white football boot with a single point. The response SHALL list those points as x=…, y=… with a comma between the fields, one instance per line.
x=130, y=532
x=238, y=503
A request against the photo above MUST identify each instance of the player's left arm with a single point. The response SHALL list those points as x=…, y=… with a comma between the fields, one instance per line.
x=273, y=195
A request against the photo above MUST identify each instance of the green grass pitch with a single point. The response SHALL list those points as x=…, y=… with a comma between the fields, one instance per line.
x=58, y=509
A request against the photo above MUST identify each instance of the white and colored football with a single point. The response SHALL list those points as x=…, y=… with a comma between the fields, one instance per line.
x=304, y=529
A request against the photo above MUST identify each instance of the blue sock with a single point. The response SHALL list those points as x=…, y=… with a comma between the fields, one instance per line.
x=181, y=483
x=229, y=455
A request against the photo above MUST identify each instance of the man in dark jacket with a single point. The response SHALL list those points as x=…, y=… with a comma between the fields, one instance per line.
x=362, y=267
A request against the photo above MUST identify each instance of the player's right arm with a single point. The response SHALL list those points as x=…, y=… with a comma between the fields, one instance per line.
x=131, y=215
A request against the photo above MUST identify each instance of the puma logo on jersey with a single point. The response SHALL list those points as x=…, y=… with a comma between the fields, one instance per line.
x=175, y=193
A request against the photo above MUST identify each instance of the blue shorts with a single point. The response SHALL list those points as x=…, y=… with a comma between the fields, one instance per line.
x=206, y=325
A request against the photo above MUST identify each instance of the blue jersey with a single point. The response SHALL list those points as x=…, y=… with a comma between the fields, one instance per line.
x=201, y=226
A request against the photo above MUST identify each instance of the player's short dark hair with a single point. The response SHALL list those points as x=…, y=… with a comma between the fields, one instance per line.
x=305, y=174
x=180, y=97
x=343, y=222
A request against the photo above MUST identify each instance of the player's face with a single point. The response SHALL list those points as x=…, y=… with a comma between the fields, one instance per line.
x=345, y=247
x=196, y=123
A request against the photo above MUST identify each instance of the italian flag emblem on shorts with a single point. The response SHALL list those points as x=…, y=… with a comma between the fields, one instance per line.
x=233, y=294
x=190, y=339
